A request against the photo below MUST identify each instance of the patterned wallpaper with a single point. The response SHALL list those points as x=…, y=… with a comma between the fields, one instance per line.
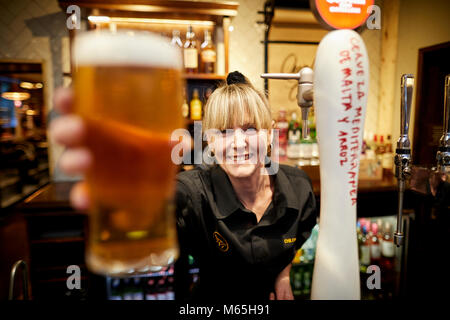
x=34, y=30
x=246, y=49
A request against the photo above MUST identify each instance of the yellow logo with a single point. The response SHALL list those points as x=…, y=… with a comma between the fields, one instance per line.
x=289, y=240
x=221, y=242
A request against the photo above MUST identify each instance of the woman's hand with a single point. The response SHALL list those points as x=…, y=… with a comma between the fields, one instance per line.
x=283, y=289
x=69, y=130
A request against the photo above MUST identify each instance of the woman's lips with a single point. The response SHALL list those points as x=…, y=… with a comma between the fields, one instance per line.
x=244, y=157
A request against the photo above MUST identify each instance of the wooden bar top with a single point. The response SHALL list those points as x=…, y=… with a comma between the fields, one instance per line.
x=372, y=196
x=54, y=196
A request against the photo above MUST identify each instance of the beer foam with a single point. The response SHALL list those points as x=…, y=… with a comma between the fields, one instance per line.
x=125, y=49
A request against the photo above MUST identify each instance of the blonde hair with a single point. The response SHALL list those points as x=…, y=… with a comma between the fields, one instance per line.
x=237, y=104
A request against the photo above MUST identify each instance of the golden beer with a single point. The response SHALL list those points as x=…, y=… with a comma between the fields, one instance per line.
x=128, y=91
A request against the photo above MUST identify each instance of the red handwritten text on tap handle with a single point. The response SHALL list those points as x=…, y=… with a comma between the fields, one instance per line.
x=349, y=146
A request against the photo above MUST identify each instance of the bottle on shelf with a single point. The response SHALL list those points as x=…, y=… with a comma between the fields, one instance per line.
x=161, y=293
x=176, y=40
x=388, y=159
x=190, y=52
x=283, y=127
x=185, y=107
x=208, y=93
x=207, y=54
x=375, y=247
x=116, y=289
x=380, y=149
x=294, y=137
x=128, y=293
x=170, y=294
x=137, y=290
x=364, y=258
x=387, y=262
x=196, y=106
x=150, y=293
x=371, y=147
x=387, y=248
x=313, y=135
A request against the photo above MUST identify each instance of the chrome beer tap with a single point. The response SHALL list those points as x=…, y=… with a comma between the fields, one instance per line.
x=403, y=151
x=304, y=92
x=443, y=154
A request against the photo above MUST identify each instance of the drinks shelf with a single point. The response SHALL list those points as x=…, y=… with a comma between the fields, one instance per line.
x=203, y=76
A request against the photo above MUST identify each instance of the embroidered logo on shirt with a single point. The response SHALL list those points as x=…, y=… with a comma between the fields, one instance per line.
x=289, y=240
x=221, y=242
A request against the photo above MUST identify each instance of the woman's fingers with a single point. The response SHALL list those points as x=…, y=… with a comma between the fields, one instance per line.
x=68, y=130
x=272, y=296
x=63, y=100
x=79, y=196
x=75, y=161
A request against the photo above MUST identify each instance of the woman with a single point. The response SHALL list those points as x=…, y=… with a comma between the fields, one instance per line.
x=241, y=224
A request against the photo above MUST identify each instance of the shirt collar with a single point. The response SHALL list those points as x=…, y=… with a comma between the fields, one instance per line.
x=227, y=201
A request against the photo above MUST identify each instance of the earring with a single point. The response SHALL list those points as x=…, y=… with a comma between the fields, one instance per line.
x=212, y=152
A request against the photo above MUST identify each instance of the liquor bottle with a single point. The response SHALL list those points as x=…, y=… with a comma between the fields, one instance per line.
x=150, y=293
x=381, y=146
x=208, y=93
x=116, y=290
x=365, y=249
x=137, y=292
x=387, y=262
x=190, y=52
x=176, y=40
x=375, y=248
x=294, y=136
x=371, y=147
x=170, y=294
x=162, y=290
x=196, y=106
x=127, y=289
x=185, y=107
x=388, y=159
x=283, y=126
x=207, y=54
x=388, y=247
x=297, y=281
x=313, y=135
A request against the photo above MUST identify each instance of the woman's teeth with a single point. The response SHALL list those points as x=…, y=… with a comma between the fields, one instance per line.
x=241, y=157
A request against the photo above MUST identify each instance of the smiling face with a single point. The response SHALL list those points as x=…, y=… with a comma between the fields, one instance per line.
x=241, y=150
x=237, y=123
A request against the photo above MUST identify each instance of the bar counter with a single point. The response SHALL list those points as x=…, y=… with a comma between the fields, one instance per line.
x=56, y=232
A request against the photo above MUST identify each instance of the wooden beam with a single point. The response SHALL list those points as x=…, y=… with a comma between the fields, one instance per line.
x=226, y=41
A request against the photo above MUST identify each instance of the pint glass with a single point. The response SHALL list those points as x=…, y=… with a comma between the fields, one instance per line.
x=128, y=92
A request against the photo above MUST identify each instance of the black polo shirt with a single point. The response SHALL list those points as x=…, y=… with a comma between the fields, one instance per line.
x=238, y=257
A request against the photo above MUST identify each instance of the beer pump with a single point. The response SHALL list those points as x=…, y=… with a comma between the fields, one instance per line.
x=443, y=154
x=304, y=93
x=339, y=88
x=403, y=152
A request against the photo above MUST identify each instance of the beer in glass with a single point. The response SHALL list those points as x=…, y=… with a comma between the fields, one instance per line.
x=128, y=92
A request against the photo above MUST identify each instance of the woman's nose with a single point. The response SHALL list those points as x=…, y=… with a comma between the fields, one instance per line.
x=240, y=139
